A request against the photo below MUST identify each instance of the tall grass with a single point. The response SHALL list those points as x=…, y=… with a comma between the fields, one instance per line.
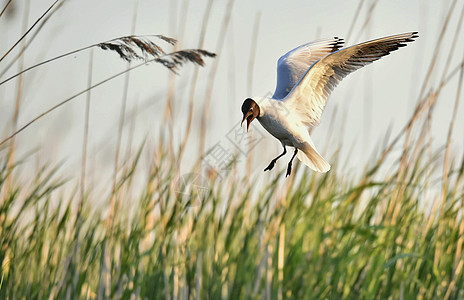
x=337, y=244
x=368, y=235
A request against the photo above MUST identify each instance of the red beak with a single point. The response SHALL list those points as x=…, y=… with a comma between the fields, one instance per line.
x=248, y=118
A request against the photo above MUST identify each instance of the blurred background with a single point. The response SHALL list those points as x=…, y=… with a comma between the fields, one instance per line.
x=155, y=207
x=248, y=37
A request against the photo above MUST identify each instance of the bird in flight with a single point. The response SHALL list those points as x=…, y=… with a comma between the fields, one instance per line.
x=305, y=78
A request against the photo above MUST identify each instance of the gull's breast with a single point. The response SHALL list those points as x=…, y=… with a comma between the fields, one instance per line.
x=282, y=127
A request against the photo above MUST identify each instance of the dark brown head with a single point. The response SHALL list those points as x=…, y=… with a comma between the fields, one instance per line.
x=250, y=110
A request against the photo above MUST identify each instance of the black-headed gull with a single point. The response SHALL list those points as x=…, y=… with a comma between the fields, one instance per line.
x=305, y=78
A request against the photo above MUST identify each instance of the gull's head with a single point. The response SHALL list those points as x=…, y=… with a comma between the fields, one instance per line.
x=250, y=110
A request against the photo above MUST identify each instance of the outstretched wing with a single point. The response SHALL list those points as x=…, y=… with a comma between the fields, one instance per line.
x=309, y=96
x=294, y=64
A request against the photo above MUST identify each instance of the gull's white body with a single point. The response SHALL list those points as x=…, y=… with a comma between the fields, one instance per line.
x=305, y=78
x=284, y=124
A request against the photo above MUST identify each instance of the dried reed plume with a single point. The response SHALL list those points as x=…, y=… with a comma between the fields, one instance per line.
x=129, y=48
x=138, y=47
x=176, y=59
x=132, y=48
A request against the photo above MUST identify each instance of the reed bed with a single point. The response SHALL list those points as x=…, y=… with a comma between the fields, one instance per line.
x=324, y=241
x=392, y=230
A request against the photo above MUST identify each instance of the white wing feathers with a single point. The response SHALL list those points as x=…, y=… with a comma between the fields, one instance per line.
x=294, y=64
x=309, y=96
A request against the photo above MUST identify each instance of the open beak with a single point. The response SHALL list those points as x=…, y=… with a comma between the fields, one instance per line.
x=248, y=117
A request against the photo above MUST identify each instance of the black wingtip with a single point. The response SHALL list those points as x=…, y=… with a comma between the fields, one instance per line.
x=411, y=38
x=337, y=44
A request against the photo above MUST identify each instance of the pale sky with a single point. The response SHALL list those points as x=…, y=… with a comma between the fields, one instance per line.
x=368, y=102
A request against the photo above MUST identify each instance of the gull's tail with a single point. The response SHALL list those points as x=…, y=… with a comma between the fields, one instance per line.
x=309, y=156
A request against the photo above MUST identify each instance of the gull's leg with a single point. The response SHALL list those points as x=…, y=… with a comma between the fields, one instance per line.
x=289, y=168
x=271, y=165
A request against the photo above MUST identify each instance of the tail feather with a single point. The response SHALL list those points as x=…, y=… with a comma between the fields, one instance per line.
x=310, y=157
